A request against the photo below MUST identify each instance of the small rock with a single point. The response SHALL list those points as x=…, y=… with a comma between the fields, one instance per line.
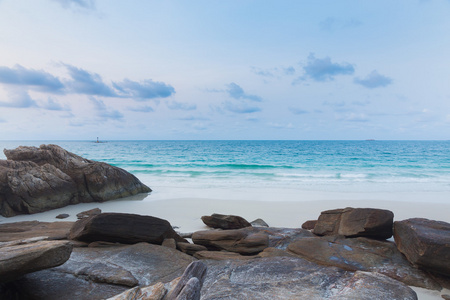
x=62, y=216
x=259, y=223
x=225, y=221
x=88, y=213
x=446, y=297
x=190, y=284
x=190, y=249
x=235, y=240
x=309, y=225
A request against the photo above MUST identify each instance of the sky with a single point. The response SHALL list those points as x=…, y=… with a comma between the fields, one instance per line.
x=235, y=69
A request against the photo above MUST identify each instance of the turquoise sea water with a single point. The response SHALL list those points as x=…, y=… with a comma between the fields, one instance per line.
x=325, y=166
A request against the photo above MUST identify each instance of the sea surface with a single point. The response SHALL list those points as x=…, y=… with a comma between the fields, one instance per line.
x=221, y=169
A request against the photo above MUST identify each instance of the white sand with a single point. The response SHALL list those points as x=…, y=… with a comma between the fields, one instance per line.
x=185, y=213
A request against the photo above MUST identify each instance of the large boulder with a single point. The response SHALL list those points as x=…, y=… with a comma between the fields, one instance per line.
x=38, y=179
x=280, y=278
x=225, y=221
x=123, y=228
x=233, y=240
x=354, y=222
x=362, y=254
x=425, y=243
x=26, y=256
x=100, y=273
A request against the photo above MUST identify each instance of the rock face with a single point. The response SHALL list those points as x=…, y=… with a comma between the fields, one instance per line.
x=30, y=256
x=283, y=278
x=354, y=222
x=123, y=228
x=225, y=221
x=30, y=229
x=100, y=273
x=362, y=254
x=38, y=179
x=425, y=243
x=235, y=240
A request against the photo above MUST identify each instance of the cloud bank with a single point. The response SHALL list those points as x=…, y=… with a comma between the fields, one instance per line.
x=374, y=80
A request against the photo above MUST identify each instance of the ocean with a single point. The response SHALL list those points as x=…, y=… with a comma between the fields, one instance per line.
x=276, y=170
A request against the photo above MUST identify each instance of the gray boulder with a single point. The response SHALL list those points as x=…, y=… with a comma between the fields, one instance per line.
x=354, y=222
x=100, y=273
x=225, y=221
x=123, y=228
x=281, y=278
x=38, y=179
x=26, y=256
x=425, y=243
x=362, y=254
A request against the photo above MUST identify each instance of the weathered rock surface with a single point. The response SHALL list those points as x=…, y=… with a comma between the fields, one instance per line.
x=234, y=240
x=38, y=179
x=362, y=254
x=222, y=255
x=190, y=284
x=225, y=221
x=309, y=225
x=190, y=249
x=425, y=243
x=29, y=229
x=30, y=256
x=354, y=222
x=280, y=237
x=295, y=278
x=152, y=292
x=88, y=213
x=99, y=273
x=123, y=228
x=259, y=223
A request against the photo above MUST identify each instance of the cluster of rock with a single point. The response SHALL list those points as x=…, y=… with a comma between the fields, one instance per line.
x=34, y=179
x=344, y=255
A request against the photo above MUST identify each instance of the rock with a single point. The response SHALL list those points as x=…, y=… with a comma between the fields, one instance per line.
x=362, y=254
x=309, y=225
x=354, y=222
x=38, y=179
x=446, y=297
x=19, y=259
x=170, y=243
x=225, y=221
x=189, y=248
x=62, y=216
x=88, y=213
x=123, y=228
x=153, y=292
x=234, y=240
x=259, y=223
x=29, y=229
x=425, y=243
x=190, y=283
x=100, y=273
x=280, y=237
x=222, y=255
x=281, y=278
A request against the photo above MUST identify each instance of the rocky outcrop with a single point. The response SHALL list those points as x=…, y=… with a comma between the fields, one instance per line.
x=425, y=243
x=225, y=221
x=100, y=273
x=30, y=229
x=123, y=228
x=281, y=278
x=26, y=256
x=362, y=254
x=235, y=240
x=38, y=179
x=354, y=222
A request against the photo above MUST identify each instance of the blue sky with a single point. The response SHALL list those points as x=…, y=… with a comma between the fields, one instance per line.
x=141, y=69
